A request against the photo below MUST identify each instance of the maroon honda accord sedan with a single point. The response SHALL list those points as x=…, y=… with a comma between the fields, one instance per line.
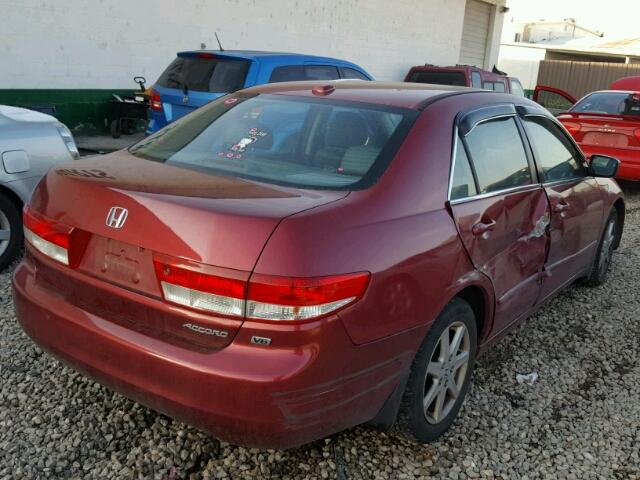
x=296, y=259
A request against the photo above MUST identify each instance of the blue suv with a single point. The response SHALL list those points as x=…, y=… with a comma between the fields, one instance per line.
x=197, y=77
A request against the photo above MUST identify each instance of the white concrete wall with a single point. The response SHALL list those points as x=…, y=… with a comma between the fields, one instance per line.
x=103, y=43
x=495, y=33
x=522, y=62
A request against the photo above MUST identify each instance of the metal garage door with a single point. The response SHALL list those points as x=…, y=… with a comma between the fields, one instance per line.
x=475, y=33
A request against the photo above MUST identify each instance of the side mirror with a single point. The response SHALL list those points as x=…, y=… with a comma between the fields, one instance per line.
x=603, y=166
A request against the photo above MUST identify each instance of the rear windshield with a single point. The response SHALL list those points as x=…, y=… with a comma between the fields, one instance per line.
x=295, y=141
x=205, y=74
x=439, y=78
x=616, y=103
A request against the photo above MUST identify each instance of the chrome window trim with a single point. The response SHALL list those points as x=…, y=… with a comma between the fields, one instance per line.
x=453, y=160
x=522, y=188
x=566, y=180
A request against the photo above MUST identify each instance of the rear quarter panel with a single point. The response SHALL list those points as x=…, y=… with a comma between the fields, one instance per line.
x=399, y=230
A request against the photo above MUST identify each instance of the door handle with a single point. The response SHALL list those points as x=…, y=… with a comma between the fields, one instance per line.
x=561, y=206
x=481, y=228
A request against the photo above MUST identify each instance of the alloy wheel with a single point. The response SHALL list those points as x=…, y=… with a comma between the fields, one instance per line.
x=606, y=252
x=446, y=372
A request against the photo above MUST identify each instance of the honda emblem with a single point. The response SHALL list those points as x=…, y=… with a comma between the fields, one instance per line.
x=116, y=217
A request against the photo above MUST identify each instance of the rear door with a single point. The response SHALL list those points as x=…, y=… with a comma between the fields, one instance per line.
x=553, y=99
x=500, y=209
x=575, y=199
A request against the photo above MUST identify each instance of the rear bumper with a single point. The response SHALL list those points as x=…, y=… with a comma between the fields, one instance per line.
x=629, y=160
x=310, y=382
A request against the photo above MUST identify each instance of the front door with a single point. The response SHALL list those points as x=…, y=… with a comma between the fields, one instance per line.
x=501, y=212
x=575, y=199
x=553, y=99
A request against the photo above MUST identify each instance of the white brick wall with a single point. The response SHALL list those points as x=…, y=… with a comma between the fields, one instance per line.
x=104, y=43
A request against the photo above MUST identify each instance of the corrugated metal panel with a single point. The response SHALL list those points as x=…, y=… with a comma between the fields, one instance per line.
x=580, y=78
x=475, y=33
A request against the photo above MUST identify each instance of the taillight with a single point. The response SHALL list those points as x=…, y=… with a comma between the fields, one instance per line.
x=155, y=102
x=263, y=297
x=201, y=287
x=637, y=133
x=572, y=128
x=61, y=242
x=285, y=298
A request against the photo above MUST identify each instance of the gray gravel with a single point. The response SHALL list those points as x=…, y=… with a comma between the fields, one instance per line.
x=580, y=420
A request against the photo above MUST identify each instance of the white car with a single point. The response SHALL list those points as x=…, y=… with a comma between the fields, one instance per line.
x=30, y=144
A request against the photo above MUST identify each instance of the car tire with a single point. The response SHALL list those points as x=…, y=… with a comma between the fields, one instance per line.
x=602, y=262
x=419, y=414
x=11, y=222
x=115, y=129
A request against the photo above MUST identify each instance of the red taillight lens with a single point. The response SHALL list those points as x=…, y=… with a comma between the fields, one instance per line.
x=285, y=298
x=572, y=128
x=637, y=134
x=202, y=287
x=263, y=297
x=56, y=240
x=155, y=102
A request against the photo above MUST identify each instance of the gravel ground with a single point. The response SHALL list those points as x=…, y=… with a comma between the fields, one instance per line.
x=580, y=420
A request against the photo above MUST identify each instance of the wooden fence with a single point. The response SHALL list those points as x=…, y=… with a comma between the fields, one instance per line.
x=580, y=78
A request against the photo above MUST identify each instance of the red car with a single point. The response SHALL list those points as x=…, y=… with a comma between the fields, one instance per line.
x=605, y=122
x=292, y=260
x=465, y=76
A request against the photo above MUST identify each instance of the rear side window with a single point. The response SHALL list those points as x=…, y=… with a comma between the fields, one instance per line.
x=293, y=73
x=347, y=72
x=439, y=78
x=476, y=80
x=205, y=74
x=462, y=184
x=498, y=155
x=553, y=151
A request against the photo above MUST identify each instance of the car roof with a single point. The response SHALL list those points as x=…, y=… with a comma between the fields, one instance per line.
x=258, y=54
x=613, y=91
x=395, y=94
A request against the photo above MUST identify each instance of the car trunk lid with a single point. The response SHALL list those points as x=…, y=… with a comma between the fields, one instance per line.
x=174, y=211
x=603, y=130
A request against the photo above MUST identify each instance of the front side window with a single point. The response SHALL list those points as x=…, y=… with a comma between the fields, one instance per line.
x=554, y=153
x=516, y=87
x=352, y=73
x=295, y=141
x=498, y=155
x=462, y=183
x=554, y=102
x=293, y=73
x=499, y=87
